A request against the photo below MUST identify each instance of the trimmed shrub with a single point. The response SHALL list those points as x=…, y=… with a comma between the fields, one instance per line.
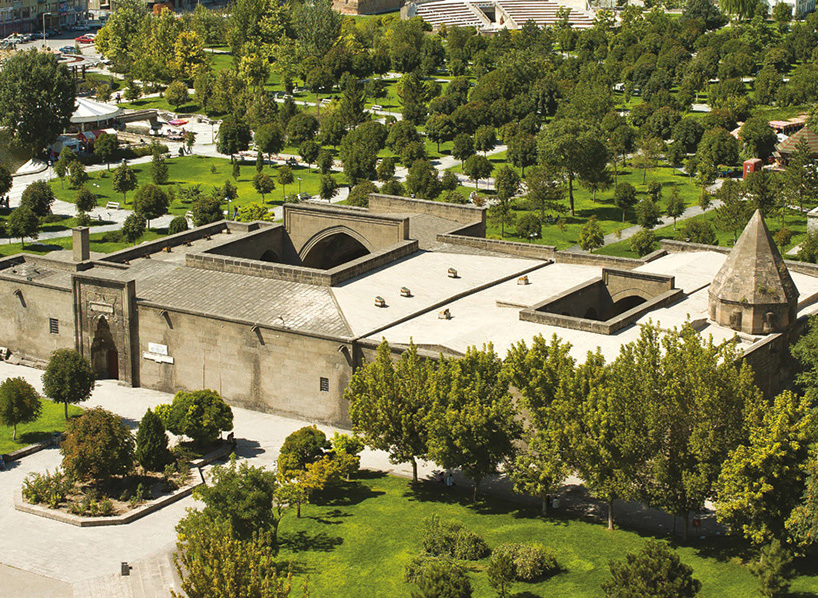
x=451, y=539
x=532, y=562
x=177, y=225
x=415, y=568
x=98, y=446
x=200, y=415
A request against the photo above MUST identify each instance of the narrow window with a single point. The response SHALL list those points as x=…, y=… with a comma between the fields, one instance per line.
x=324, y=384
x=53, y=325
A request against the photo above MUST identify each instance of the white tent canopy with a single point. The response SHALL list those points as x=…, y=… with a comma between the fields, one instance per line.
x=89, y=111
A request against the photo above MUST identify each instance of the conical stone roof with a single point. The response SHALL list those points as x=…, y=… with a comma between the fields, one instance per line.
x=755, y=273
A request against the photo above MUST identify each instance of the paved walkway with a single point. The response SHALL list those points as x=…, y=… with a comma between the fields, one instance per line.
x=50, y=556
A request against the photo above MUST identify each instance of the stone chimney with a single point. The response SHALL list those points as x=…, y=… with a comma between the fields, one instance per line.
x=753, y=291
x=81, y=244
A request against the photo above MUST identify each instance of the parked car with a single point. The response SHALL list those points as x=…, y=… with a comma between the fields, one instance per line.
x=85, y=39
x=68, y=50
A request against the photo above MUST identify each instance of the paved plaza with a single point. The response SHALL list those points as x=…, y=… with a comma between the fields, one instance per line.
x=47, y=558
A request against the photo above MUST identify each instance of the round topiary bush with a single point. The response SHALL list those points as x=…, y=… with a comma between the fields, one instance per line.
x=177, y=225
x=200, y=415
x=152, y=443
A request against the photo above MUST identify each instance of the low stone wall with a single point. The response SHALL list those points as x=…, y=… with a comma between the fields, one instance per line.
x=593, y=259
x=158, y=245
x=462, y=213
x=28, y=450
x=20, y=503
x=530, y=250
x=370, y=262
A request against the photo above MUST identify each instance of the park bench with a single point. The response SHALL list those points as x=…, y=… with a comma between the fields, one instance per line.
x=376, y=107
x=112, y=205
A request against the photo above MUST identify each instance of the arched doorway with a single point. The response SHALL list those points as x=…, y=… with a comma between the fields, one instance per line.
x=334, y=250
x=104, y=356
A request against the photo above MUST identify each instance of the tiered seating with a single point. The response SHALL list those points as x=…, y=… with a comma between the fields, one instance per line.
x=542, y=13
x=452, y=13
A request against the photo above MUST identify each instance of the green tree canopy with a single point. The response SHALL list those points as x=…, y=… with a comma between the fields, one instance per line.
x=19, y=403
x=68, y=378
x=98, y=445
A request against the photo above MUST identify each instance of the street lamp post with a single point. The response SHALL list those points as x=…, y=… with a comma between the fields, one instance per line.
x=299, y=187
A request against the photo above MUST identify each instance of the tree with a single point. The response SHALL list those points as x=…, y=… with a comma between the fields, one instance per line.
x=477, y=167
x=758, y=189
x=625, y=197
x=177, y=225
x=134, y=227
x=802, y=524
x=124, y=181
x=302, y=127
x=252, y=212
x=507, y=184
x=742, y=8
x=77, y=177
x=254, y=69
x=85, y=200
x=643, y=242
x=522, y=151
x=269, y=138
x=734, y=212
x=386, y=169
x=763, y=479
x=98, y=445
x=688, y=387
x=234, y=136
x=572, y=148
x=546, y=190
x=236, y=171
x=263, y=184
x=189, y=58
x=159, y=169
x=324, y=162
x=440, y=129
x=308, y=150
x=37, y=97
x=800, y=175
x=240, y=495
x=412, y=94
x=285, y=177
x=23, y=222
x=501, y=573
x=648, y=213
x=389, y=404
x=104, y=147
x=328, y=187
x=463, y=147
x=473, y=425
x=301, y=448
x=675, y=206
x=648, y=156
x=19, y=403
x=359, y=195
x=176, y=94
x=5, y=181
x=774, y=568
x=757, y=137
x=654, y=571
x=422, y=179
x=485, y=138
x=782, y=13
x=151, y=443
x=151, y=202
x=200, y=415
x=38, y=197
x=213, y=562
x=590, y=235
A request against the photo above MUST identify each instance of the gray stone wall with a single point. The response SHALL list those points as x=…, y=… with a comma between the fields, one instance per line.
x=462, y=213
x=24, y=327
x=265, y=369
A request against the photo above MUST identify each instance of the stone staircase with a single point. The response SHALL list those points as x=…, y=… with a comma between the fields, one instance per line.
x=152, y=577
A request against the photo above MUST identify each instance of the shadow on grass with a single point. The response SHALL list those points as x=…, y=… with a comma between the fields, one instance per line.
x=302, y=541
x=347, y=494
x=431, y=491
x=331, y=517
x=722, y=549
x=247, y=449
x=32, y=437
x=286, y=566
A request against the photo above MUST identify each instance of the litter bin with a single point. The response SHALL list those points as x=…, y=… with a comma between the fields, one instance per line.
x=56, y=437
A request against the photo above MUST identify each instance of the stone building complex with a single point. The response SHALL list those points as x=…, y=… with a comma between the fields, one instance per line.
x=276, y=316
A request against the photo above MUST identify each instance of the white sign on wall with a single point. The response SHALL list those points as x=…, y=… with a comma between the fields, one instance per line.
x=157, y=349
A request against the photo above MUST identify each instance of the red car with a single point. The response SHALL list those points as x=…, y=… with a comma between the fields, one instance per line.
x=84, y=39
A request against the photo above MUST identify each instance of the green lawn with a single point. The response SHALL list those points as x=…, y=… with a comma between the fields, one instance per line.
x=52, y=419
x=190, y=170
x=566, y=233
x=159, y=103
x=792, y=220
x=100, y=242
x=358, y=543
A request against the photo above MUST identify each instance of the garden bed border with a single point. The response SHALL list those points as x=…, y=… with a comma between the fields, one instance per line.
x=21, y=505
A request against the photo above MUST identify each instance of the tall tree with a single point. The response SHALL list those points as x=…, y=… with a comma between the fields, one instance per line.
x=474, y=425
x=37, y=98
x=507, y=185
x=124, y=180
x=763, y=479
x=734, y=212
x=104, y=147
x=800, y=176
x=546, y=190
x=390, y=404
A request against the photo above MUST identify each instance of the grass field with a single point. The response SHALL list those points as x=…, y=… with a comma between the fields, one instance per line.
x=205, y=171
x=52, y=419
x=792, y=220
x=100, y=242
x=609, y=216
x=359, y=543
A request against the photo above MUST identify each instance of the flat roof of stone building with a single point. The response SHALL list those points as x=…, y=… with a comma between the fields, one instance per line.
x=491, y=315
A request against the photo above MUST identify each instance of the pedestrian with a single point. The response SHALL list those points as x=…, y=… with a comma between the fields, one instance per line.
x=117, y=97
x=235, y=212
x=449, y=481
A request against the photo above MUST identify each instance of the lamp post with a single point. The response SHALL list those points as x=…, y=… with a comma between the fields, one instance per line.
x=44, y=44
x=299, y=187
